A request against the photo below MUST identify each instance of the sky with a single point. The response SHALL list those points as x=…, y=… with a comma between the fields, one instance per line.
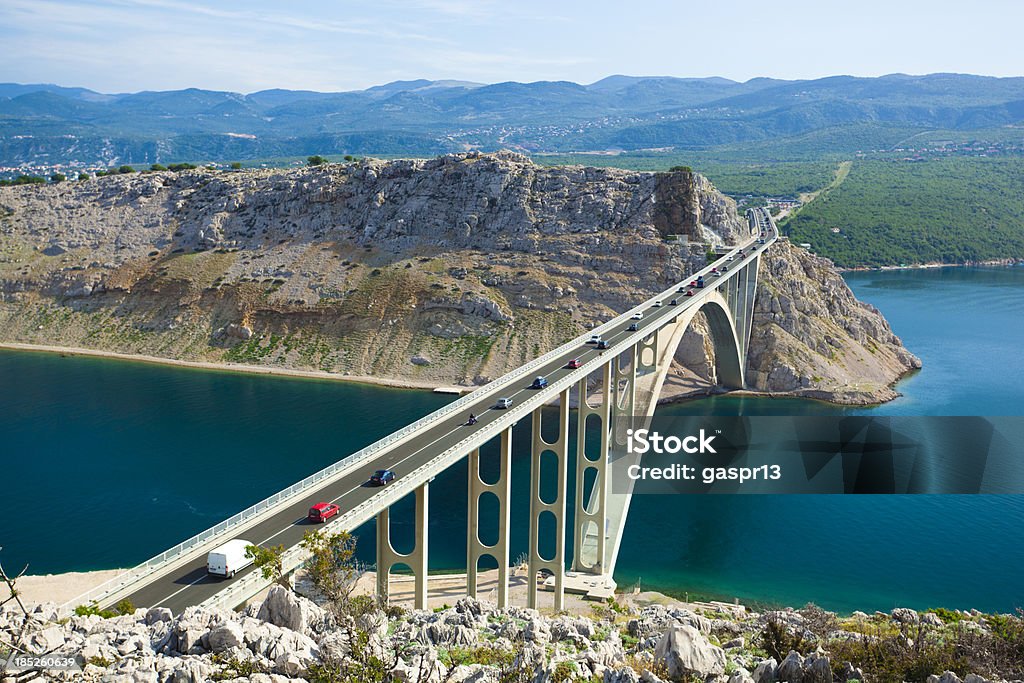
x=332, y=45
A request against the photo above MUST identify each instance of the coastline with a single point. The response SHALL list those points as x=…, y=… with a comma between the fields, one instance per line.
x=233, y=367
x=1005, y=262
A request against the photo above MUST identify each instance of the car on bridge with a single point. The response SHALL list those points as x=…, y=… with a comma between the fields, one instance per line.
x=733, y=258
x=603, y=344
x=574, y=363
x=633, y=327
x=656, y=304
x=382, y=478
x=539, y=382
x=594, y=338
x=674, y=302
x=689, y=293
x=503, y=403
x=321, y=512
x=637, y=316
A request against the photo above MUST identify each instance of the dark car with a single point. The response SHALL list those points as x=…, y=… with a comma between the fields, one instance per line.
x=674, y=302
x=321, y=512
x=633, y=327
x=539, y=382
x=382, y=477
x=603, y=344
x=574, y=363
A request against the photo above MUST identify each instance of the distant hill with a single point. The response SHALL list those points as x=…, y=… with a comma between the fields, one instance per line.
x=48, y=124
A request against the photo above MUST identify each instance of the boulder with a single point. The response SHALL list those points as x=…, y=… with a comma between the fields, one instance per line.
x=791, y=669
x=286, y=609
x=686, y=652
x=766, y=671
x=226, y=636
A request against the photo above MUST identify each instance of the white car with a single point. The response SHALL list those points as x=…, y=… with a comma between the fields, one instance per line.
x=503, y=403
x=657, y=304
x=637, y=316
x=594, y=338
x=731, y=258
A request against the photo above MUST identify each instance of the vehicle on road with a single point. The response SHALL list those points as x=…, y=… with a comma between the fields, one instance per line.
x=472, y=420
x=594, y=338
x=700, y=282
x=539, y=382
x=574, y=363
x=228, y=559
x=637, y=316
x=714, y=270
x=656, y=304
x=503, y=403
x=321, y=512
x=725, y=268
x=382, y=478
x=674, y=302
x=732, y=258
x=690, y=293
x=603, y=344
x=633, y=327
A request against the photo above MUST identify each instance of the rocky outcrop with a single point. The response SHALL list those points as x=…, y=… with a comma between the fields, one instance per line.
x=474, y=262
x=812, y=337
x=473, y=641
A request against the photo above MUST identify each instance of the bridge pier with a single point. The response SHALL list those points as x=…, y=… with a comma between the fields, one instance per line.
x=475, y=548
x=557, y=507
x=416, y=560
x=590, y=518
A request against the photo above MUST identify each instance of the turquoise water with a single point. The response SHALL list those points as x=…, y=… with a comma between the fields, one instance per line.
x=107, y=463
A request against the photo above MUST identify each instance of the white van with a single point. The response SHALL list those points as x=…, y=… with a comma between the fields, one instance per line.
x=228, y=559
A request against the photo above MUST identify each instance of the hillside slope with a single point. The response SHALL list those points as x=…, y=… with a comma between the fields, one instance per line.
x=450, y=270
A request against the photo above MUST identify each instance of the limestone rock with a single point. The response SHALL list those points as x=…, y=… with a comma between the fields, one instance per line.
x=685, y=651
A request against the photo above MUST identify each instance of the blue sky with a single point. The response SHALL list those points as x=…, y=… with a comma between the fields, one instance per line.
x=128, y=45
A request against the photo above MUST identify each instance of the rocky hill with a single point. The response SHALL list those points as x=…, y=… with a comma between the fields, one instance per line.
x=288, y=637
x=449, y=270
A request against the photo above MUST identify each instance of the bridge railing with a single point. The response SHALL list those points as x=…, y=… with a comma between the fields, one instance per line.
x=126, y=579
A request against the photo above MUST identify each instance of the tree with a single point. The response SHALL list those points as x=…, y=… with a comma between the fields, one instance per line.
x=332, y=567
x=681, y=169
x=58, y=178
x=126, y=169
x=349, y=157
x=316, y=160
x=83, y=176
x=157, y=167
x=268, y=560
x=236, y=165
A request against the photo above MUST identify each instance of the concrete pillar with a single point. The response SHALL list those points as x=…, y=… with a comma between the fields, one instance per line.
x=560, y=447
x=475, y=548
x=591, y=514
x=387, y=557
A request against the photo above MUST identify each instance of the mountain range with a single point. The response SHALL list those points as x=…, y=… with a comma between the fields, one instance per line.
x=50, y=124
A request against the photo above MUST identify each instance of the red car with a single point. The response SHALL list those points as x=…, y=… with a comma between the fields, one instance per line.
x=321, y=512
x=574, y=363
x=689, y=293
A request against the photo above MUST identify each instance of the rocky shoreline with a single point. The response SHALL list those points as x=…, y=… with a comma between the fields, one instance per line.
x=287, y=637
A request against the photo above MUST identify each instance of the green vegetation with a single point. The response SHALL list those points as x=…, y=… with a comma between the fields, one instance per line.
x=124, y=607
x=951, y=210
x=157, y=167
x=316, y=160
x=58, y=178
x=268, y=561
x=83, y=176
x=23, y=180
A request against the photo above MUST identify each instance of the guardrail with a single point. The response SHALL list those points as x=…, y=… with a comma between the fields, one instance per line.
x=123, y=581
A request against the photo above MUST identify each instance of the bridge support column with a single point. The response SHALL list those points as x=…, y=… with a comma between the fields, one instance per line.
x=475, y=548
x=387, y=557
x=590, y=518
x=560, y=448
